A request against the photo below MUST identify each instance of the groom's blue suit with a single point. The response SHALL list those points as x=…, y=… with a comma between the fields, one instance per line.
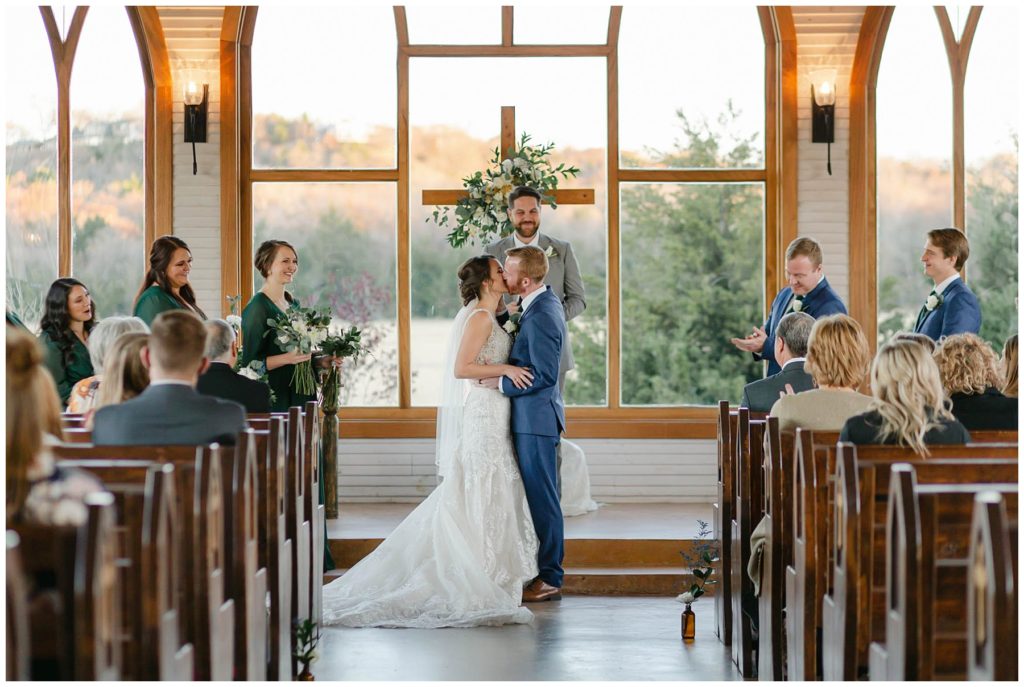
x=538, y=418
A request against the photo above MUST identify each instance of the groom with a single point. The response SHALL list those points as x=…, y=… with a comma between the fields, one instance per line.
x=538, y=414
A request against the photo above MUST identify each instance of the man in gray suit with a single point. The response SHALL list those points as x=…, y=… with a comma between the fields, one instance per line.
x=170, y=411
x=790, y=351
x=563, y=271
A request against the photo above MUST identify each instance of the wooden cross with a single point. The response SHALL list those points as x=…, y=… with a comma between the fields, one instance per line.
x=569, y=196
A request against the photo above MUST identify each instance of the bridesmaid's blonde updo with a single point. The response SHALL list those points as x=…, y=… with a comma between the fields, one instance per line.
x=472, y=275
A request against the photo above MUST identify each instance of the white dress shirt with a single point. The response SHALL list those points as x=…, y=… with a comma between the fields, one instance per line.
x=939, y=288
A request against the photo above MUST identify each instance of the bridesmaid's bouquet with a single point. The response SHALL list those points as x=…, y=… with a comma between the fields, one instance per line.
x=301, y=330
x=346, y=344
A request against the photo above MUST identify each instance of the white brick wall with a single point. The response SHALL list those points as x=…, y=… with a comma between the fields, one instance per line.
x=826, y=37
x=193, y=37
x=623, y=470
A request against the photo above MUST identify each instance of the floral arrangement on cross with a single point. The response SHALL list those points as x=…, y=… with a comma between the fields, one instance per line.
x=482, y=215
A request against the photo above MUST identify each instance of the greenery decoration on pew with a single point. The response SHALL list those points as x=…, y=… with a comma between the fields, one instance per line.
x=307, y=637
x=483, y=214
x=701, y=561
x=346, y=344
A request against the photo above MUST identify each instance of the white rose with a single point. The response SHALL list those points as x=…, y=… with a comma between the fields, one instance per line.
x=521, y=164
x=932, y=302
x=506, y=166
x=798, y=305
x=488, y=221
x=234, y=320
x=685, y=598
x=249, y=373
x=550, y=252
x=510, y=327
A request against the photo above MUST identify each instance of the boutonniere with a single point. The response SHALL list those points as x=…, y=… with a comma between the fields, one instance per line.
x=550, y=252
x=798, y=303
x=512, y=326
x=934, y=301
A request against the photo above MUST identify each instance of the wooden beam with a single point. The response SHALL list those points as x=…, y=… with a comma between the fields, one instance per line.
x=403, y=255
x=324, y=175
x=693, y=175
x=508, y=131
x=401, y=26
x=569, y=196
x=230, y=238
x=614, y=338
x=243, y=123
x=507, y=18
x=614, y=24
x=504, y=50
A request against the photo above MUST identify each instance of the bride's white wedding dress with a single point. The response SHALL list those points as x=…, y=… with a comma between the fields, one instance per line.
x=462, y=556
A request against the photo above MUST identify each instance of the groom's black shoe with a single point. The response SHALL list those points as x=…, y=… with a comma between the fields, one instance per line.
x=539, y=590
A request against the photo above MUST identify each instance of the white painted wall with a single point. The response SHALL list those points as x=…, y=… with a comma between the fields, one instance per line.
x=625, y=470
x=193, y=37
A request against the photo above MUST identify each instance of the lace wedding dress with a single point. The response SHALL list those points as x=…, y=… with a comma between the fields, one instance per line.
x=462, y=556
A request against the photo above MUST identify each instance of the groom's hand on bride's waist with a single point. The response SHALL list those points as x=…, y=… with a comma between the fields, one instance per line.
x=489, y=382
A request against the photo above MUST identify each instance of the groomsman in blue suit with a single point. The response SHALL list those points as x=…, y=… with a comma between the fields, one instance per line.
x=808, y=291
x=951, y=307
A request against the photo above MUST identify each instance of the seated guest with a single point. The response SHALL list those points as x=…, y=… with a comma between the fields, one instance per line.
x=970, y=375
x=170, y=411
x=221, y=380
x=37, y=490
x=126, y=376
x=1010, y=367
x=924, y=340
x=951, y=307
x=910, y=407
x=68, y=319
x=790, y=349
x=838, y=360
x=83, y=394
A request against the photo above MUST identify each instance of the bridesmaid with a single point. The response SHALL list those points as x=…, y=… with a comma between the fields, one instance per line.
x=166, y=285
x=69, y=317
x=278, y=263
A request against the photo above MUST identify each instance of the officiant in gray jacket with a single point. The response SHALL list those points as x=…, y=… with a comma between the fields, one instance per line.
x=563, y=271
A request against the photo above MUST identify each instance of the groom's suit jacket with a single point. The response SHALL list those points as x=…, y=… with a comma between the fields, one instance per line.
x=563, y=277
x=538, y=409
x=957, y=314
x=819, y=301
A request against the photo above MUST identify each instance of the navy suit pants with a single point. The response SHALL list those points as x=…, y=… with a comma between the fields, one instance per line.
x=537, y=458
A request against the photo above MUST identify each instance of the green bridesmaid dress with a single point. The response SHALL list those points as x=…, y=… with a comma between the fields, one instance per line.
x=258, y=343
x=154, y=301
x=66, y=376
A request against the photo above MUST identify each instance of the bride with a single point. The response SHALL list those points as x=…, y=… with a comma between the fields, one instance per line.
x=462, y=556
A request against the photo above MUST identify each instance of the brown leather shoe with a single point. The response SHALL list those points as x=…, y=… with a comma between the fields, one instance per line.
x=539, y=590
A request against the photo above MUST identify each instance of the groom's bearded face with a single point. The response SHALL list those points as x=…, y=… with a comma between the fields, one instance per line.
x=525, y=216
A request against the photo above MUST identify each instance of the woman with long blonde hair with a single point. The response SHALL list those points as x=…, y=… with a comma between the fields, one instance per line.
x=125, y=377
x=1010, y=367
x=910, y=407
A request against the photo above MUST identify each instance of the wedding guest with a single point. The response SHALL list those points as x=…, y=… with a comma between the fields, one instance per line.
x=126, y=375
x=837, y=359
x=790, y=350
x=84, y=393
x=277, y=262
x=971, y=377
x=951, y=307
x=808, y=292
x=166, y=286
x=37, y=490
x=909, y=407
x=170, y=411
x=1010, y=367
x=221, y=380
x=68, y=320
x=924, y=340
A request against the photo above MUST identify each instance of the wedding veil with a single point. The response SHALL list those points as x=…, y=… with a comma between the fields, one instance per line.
x=453, y=397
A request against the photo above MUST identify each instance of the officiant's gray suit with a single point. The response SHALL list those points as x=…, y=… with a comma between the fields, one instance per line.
x=565, y=281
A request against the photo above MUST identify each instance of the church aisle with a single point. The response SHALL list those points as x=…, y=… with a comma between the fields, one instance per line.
x=578, y=638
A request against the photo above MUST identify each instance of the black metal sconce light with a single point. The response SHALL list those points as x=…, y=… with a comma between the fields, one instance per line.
x=196, y=102
x=823, y=106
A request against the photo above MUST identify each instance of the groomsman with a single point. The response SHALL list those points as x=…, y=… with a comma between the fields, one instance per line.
x=808, y=292
x=951, y=307
x=563, y=271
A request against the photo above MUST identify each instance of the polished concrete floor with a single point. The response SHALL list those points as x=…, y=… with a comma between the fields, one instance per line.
x=577, y=638
x=611, y=521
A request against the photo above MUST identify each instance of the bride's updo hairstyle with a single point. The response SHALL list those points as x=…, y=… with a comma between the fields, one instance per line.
x=472, y=275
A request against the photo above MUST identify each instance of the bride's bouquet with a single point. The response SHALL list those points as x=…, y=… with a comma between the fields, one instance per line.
x=346, y=344
x=301, y=330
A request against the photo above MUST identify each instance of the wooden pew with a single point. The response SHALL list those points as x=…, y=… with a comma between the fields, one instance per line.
x=275, y=549
x=18, y=637
x=721, y=519
x=779, y=460
x=75, y=610
x=72, y=420
x=853, y=603
x=805, y=578
x=149, y=567
x=314, y=509
x=746, y=514
x=994, y=436
x=246, y=579
x=77, y=435
x=926, y=573
x=299, y=528
x=209, y=621
x=992, y=591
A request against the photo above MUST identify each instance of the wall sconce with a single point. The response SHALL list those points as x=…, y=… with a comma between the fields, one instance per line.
x=196, y=96
x=823, y=106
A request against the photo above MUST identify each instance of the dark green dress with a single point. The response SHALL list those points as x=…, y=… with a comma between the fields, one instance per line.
x=66, y=376
x=258, y=343
x=154, y=301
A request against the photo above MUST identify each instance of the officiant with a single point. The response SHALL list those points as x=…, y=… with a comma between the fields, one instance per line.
x=524, y=205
